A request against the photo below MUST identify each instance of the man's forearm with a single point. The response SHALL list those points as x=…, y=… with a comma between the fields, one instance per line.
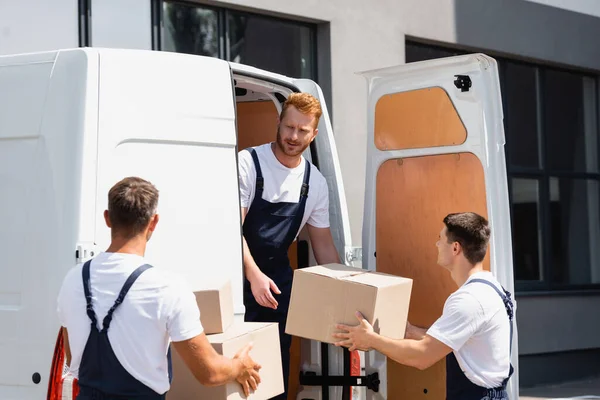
x=250, y=266
x=414, y=332
x=224, y=370
x=404, y=351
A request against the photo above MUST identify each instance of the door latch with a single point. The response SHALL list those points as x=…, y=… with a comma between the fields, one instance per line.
x=463, y=82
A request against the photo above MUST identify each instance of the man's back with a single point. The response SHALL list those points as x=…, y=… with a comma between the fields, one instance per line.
x=476, y=326
x=158, y=306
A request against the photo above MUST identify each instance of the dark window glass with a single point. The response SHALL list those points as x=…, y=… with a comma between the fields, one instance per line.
x=274, y=45
x=190, y=29
x=520, y=99
x=564, y=121
x=526, y=229
x=418, y=52
x=574, y=225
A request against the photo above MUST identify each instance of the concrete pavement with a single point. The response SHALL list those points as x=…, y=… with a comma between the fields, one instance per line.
x=584, y=389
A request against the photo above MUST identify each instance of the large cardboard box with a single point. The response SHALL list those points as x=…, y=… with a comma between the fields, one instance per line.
x=216, y=307
x=326, y=295
x=265, y=351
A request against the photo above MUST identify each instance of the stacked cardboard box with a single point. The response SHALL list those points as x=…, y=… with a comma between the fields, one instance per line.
x=227, y=338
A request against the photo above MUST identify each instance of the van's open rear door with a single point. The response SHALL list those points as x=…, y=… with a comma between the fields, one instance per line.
x=435, y=146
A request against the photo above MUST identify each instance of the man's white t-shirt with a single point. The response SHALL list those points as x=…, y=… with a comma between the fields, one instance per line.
x=159, y=307
x=475, y=325
x=283, y=184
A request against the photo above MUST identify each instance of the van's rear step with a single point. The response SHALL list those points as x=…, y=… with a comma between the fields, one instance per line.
x=347, y=381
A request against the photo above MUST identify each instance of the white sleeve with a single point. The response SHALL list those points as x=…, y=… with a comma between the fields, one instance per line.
x=461, y=318
x=65, y=295
x=247, y=178
x=183, y=321
x=319, y=218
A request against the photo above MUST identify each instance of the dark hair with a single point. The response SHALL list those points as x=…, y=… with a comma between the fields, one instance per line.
x=131, y=204
x=471, y=231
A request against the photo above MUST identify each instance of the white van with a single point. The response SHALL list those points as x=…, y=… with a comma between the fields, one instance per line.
x=74, y=122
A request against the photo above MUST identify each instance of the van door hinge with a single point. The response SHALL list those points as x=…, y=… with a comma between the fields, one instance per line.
x=84, y=252
x=353, y=254
x=463, y=82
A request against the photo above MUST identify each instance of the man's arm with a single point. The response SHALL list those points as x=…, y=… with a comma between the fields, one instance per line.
x=420, y=354
x=213, y=369
x=322, y=244
x=414, y=332
x=66, y=346
x=260, y=283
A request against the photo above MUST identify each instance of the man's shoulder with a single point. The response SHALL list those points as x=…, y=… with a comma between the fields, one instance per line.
x=316, y=175
x=463, y=300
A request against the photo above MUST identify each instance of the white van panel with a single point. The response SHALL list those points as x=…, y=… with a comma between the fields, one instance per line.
x=180, y=134
x=41, y=148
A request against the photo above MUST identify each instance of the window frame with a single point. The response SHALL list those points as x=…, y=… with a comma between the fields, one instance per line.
x=542, y=173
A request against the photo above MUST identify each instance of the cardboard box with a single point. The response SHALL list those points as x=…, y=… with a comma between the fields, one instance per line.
x=326, y=295
x=266, y=352
x=216, y=307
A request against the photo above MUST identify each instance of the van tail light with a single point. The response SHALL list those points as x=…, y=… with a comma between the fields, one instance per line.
x=61, y=385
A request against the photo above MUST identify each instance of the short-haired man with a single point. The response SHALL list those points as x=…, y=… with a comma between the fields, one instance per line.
x=280, y=193
x=119, y=314
x=474, y=332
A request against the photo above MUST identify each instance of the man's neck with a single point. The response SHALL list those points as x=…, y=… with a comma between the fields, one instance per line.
x=461, y=272
x=284, y=159
x=135, y=245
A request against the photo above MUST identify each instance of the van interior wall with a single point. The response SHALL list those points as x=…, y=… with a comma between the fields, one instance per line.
x=256, y=125
x=413, y=197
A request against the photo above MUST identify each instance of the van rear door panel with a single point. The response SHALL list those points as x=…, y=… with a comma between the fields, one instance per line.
x=435, y=146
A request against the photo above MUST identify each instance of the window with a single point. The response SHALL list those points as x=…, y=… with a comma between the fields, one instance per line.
x=277, y=45
x=552, y=147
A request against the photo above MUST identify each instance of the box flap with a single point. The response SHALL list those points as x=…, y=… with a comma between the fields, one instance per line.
x=236, y=330
x=337, y=271
x=378, y=280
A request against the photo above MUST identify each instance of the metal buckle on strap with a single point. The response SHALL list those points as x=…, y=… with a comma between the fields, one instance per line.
x=304, y=190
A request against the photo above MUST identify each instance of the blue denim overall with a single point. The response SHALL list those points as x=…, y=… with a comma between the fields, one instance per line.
x=269, y=230
x=101, y=375
x=458, y=386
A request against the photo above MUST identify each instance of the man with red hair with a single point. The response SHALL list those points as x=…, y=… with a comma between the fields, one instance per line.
x=280, y=193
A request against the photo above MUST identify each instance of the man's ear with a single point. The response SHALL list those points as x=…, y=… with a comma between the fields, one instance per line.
x=456, y=248
x=153, y=223
x=315, y=135
x=107, y=219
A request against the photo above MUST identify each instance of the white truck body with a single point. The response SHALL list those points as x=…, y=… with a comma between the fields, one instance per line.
x=74, y=122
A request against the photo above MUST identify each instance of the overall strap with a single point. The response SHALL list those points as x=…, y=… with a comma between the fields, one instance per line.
x=509, y=306
x=128, y=283
x=260, y=182
x=85, y=272
x=305, y=186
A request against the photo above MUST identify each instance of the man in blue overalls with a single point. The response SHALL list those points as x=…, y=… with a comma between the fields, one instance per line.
x=474, y=332
x=280, y=193
x=119, y=314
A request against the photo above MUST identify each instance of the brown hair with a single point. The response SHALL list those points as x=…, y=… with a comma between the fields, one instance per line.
x=306, y=103
x=472, y=231
x=131, y=204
